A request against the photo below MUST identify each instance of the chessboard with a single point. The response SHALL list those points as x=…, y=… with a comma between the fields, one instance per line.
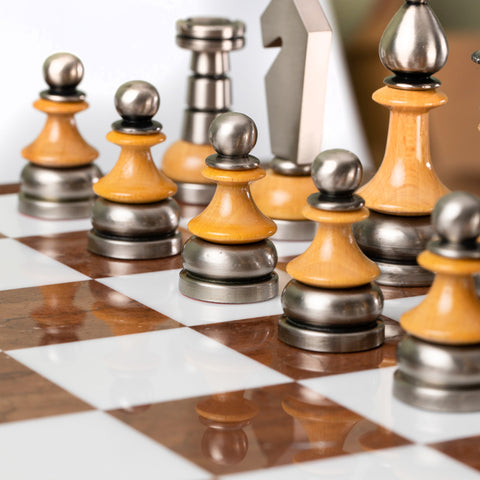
x=107, y=371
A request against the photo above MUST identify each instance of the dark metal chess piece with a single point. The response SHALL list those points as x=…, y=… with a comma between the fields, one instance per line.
x=439, y=359
x=402, y=194
x=209, y=94
x=135, y=216
x=229, y=258
x=332, y=304
x=295, y=90
x=57, y=182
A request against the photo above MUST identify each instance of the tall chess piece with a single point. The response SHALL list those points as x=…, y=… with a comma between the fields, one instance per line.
x=295, y=88
x=332, y=304
x=229, y=258
x=57, y=183
x=135, y=216
x=402, y=194
x=439, y=359
x=209, y=95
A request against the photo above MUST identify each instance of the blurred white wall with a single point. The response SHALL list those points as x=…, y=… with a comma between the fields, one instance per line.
x=121, y=40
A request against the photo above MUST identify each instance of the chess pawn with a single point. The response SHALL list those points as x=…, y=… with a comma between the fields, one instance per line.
x=229, y=258
x=439, y=359
x=402, y=194
x=332, y=304
x=134, y=216
x=209, y=95
x=57, y=181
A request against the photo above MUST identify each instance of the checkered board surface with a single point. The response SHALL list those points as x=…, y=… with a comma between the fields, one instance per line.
x=107, y=371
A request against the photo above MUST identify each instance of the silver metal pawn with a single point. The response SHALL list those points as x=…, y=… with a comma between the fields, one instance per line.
x=51, y=192
x=328, y=319
x=135, y=231
x=239, y=273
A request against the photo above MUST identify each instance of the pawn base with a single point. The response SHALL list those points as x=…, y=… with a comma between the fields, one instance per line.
x=54, y=210
x=435, y=398
x=297, y=335
x=195, y=193
x=294, y=230
x=397, y=275
x=134, y=249
x=208, y=290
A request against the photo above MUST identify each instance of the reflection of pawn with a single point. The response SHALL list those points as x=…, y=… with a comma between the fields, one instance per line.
x=226, y=415
x=405, y=189
x=439, y=360
x=209, y=95
x=58, y=327
x=230, y=259
x=331, y=304
x=135, y=218
x=57, y=183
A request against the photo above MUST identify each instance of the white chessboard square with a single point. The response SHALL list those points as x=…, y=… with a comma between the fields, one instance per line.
x=370, y=393
x=139, y=369
x=396, y=307
x=86, y=445
x=159, y=291
x=410, y=462
x=23, y=267
x=15, y=224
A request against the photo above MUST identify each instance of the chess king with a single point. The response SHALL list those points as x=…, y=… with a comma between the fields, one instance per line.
x=57, y=181
x=402, y=194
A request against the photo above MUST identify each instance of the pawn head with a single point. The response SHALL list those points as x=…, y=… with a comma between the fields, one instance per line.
x=63, y=71
x=137, y=100
x=456, y=218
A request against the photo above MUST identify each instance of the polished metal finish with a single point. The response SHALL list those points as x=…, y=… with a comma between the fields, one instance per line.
x=456, y=219
x=233, y=134
x=414, y=47
x=209, y=90
x=393, y=237
x=210, y=64
x=228, y=292
x=229, y=262
x=403, y=274
x=296, y=82
x=53, y=210
x=287, y=167
x=209, y=93
x=337, y=174
x=63, y=72
x=134, y=249
x=210, y=28
x=476, y=56
x=59, y=184
x=247, y=162
x=445, y=366
x=428, y=397
x=137, y=102
x=332, y=308
x=296, y=335
x=196, y=125
x=195, y=193
x=295, y=230
x=148, y=220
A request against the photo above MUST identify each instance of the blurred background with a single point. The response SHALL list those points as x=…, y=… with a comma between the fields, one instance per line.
x=121, y=40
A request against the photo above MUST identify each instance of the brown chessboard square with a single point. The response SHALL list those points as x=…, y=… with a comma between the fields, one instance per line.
x=465, y=450
x=69, y=312
x=257, y=428
x=71, y=249
x=24, y=394
x=257, y=338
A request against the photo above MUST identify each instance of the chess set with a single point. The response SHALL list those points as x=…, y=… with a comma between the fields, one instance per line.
x=214, y=319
